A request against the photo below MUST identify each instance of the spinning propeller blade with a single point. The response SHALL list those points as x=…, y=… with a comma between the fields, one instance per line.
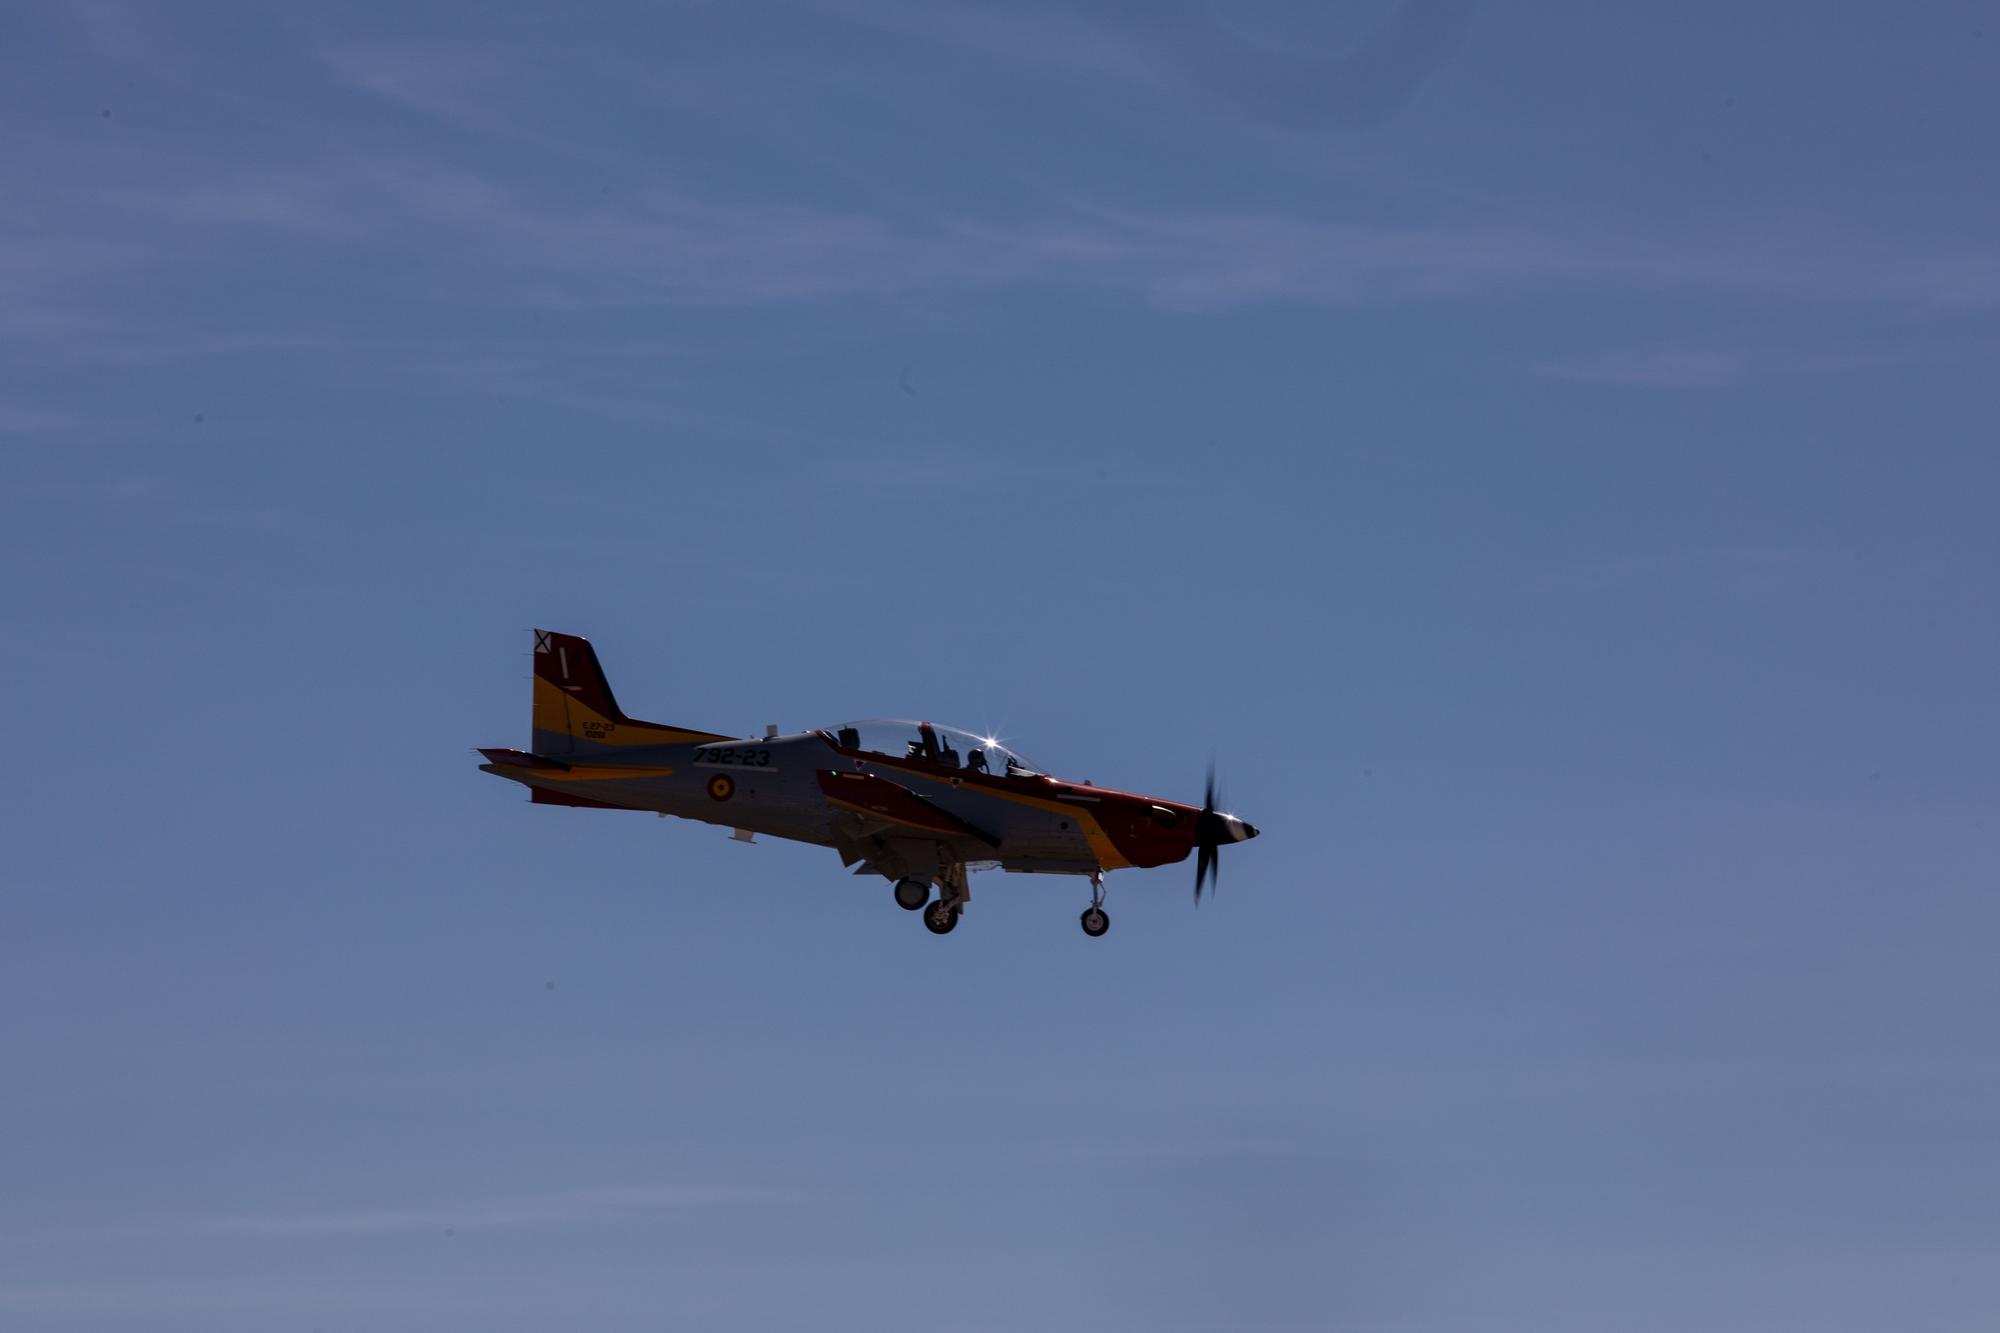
x=1208, y=836
x=1212, y=828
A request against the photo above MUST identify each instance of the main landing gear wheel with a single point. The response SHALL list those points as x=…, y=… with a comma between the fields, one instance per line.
x=912, y=894
x=939, y=918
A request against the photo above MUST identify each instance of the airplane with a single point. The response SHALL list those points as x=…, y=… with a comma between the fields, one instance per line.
x=919, y=804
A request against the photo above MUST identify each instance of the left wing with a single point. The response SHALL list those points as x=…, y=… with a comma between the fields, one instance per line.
x=877, y=798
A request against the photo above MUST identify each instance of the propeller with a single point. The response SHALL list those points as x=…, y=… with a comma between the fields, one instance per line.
x=1210, y=833
x=1211, y=830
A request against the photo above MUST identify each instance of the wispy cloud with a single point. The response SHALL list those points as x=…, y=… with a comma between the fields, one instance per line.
x=1361, y=86
x=1721, y=364
x=1049, y=37
x=1182, y=48
x=454, y=82
x=1748, y=572
x=485, y=239
x=950, y=473
x=457, y=84
x=112, y=28
x=137, y=497
x=562, y=1208
x=113, y=256
x=51, y=425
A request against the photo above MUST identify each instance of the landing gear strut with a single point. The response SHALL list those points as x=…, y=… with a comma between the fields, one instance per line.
x=954, y=892
x=1095, y=919
x=913, y=890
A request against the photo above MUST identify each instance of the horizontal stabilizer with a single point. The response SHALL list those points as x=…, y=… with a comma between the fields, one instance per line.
x=522, y=759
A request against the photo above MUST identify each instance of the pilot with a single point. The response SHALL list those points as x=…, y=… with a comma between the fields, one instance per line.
x=975, y=760
x=850, y=738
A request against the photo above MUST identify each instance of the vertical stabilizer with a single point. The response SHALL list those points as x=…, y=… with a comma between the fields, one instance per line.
x=575, y=712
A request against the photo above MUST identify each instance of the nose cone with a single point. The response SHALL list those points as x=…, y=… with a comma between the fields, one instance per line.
x=1239, y=831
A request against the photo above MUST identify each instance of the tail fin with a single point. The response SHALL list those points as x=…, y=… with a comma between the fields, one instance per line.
x=575, y=712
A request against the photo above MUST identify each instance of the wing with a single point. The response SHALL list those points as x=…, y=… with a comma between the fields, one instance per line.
x=900, y=811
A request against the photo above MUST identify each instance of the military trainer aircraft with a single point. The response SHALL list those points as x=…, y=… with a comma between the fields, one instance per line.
x=920, y=805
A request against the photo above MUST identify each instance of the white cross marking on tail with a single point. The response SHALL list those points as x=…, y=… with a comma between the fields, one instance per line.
x=541, y=640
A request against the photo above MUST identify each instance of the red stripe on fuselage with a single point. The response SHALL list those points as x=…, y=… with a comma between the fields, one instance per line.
x=1126, y=818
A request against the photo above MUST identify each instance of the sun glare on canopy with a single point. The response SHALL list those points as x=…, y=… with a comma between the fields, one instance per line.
x=949, y=746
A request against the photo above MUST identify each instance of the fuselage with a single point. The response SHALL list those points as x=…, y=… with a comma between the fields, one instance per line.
x=810, y=788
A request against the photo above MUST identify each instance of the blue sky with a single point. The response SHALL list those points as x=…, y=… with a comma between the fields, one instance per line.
x=1545, y=457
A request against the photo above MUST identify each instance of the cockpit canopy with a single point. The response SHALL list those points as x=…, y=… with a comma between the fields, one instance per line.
x=926, y=740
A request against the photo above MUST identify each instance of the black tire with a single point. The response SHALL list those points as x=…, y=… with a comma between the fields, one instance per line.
x=939, y=919
x=912, y=894
x=1095, y=921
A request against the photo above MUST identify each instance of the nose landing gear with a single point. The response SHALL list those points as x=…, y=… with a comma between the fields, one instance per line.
x=1095, y=919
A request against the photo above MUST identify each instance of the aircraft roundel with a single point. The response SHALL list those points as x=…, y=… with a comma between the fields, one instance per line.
x=722, y=786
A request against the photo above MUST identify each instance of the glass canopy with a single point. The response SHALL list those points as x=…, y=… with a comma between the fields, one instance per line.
x=926, y=740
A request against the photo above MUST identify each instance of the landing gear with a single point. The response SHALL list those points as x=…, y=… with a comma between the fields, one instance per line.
x=1095, y=919
x=913, y=892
